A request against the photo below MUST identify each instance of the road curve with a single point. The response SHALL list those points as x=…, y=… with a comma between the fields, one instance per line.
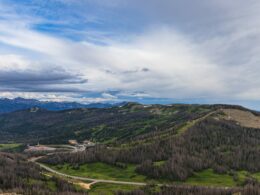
x=103, y=180
x=88, y=179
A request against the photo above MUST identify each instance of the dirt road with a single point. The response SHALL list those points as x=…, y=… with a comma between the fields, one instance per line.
x=85, y=178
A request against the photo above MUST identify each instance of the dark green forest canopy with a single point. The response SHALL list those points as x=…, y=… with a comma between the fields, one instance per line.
x=209, y=142
x=17, y=175
x=168, y=143
x=118, y=124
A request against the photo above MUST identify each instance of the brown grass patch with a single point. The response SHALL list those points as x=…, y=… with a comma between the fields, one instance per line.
x=243, y=118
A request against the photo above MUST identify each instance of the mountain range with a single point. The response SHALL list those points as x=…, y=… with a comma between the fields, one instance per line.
x=11, y=105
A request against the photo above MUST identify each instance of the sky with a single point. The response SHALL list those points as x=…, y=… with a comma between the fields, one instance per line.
x=149, y=51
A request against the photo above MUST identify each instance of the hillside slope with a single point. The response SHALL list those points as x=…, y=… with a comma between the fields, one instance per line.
x=164, y=143
x=17, y=175
x=108, y=125
x=214, y=141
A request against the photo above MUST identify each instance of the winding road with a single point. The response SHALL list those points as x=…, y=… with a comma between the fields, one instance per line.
x=93, y=181
x=84, y=178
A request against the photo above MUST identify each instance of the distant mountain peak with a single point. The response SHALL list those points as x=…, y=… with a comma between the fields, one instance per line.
x=19, y=103
x=19, y=98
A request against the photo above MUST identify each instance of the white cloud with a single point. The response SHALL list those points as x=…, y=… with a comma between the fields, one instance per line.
x=13, y=62
x=222, y=62
x=176, y=66
x=56, y=97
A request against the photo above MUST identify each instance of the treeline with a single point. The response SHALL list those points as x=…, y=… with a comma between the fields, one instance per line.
x=221, y=145
x=218, y=144
x=193, y=190
x=20, y=176
x=117, y=123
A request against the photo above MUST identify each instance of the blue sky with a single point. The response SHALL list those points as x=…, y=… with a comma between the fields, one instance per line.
x=169, y=51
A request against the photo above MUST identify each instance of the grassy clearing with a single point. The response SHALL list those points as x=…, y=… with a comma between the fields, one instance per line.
x=257, y=176
x=209, y=178
x=99, y=188
x=102, y=171
x=108, y=172
x=159, y=163
x=189, y=124
x=9, y=146
x=241, y=177
x=109, y=189
x=51, y=185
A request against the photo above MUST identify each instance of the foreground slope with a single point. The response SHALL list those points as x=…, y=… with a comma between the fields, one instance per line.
x=209, y=145
x=17, y=175
x=216, y=141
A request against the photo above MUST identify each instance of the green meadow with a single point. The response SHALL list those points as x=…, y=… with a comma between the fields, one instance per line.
x=9, y=146
x=102, y=171
x=109, y=189
x=108, y=172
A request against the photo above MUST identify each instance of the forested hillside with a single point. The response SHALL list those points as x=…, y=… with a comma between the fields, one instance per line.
x=194, y=190
x=110, y=125
x=213, y=142
x=149, y=142
x=17, y=175
x=221, y=145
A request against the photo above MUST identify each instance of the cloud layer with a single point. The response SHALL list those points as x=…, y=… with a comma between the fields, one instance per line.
x=207, y=50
